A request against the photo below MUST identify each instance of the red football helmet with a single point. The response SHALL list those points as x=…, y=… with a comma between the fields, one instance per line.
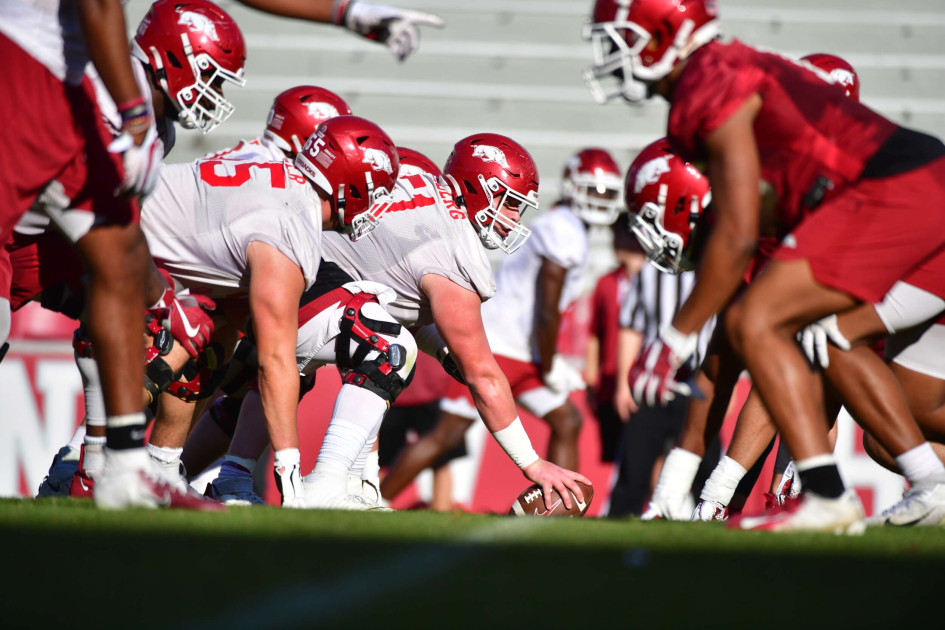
x=296, y=112
x=666, y=197
x=637, y=42
x=838, y=71
x=413, y=162
x=593, y=183
x=355, y=163
x=489, y=171
x=193, y=47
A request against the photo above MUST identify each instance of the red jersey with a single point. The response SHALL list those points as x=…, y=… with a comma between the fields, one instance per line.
x=605, y=325
x=812, y=139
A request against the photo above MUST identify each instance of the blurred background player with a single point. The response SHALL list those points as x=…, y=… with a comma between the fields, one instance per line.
x=522, y=320
x=413, y=415
x=659, y=186
x=600, y=363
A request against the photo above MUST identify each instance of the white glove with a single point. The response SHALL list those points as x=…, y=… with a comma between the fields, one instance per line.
x=393, y=27
x=142, y=162
x=563, y=378
x=814, y=340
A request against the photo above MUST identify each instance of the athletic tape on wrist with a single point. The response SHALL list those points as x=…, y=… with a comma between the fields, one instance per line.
x=514, y=441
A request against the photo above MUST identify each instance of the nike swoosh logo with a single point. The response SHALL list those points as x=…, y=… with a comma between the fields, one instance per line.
x=907, y=524
x=549, y=511
x=192, y=331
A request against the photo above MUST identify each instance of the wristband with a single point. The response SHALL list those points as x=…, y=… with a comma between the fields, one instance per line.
x=514, y=441
x=338, y=10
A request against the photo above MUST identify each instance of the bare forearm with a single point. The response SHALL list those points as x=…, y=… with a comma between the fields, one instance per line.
x=279, y=391
x=493, y=399
x=720, y=276
x=106, y=39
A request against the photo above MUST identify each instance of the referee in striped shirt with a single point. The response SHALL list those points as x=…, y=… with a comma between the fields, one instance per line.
x=652, y=301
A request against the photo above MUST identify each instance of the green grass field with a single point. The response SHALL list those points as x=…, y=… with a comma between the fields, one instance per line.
x=271, y=568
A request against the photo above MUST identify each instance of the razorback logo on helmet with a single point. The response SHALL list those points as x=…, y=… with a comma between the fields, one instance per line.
x=491, y=154
x=650, y=173
x=843, y=77
x=378, y=160
x=198, y=23
x=321, y=110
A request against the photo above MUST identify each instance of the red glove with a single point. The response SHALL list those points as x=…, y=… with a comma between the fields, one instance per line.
x=186, y=317
x=653, y=375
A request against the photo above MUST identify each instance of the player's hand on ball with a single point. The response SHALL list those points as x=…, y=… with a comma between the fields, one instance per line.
x=551, y=477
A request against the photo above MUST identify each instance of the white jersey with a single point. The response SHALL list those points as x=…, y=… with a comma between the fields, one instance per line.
x=49, y=31
x=557, y=235
x=422, y=233
x=202, y=216
x=260, y=149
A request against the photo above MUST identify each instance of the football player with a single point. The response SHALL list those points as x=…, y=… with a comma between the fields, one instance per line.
x=522, y=321
x=753, y=117
x=754, y=430
x=429, y=250
x=53, y=143
x=190, y=94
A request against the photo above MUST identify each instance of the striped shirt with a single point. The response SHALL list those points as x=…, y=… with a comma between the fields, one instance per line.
x=653, y=300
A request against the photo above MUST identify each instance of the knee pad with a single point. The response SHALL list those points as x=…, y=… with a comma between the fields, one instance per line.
x=203, y=375
x=373, y=351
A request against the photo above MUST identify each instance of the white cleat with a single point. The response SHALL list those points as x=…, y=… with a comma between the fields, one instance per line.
x=710, y=511
x=670, y=508
x=922, y=505
x=330, y=493
x=64, y=466
x=810, y=513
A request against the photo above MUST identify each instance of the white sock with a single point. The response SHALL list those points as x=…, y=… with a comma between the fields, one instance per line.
x=721, y=484
x=77, y=439
x=341, y=447
x=94, y=459
x=359, y=463
x=678, y=472
x=127, y=459
x=355, y=420
x=372, y=467
x=164, y=454
x=92, y=385
x=920, y=461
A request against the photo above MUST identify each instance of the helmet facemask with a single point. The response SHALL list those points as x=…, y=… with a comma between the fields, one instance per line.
x=612, y=74
x=202, y=105
x=666, y=250
x=366, y=222
x=597, y=198
x=489, y=217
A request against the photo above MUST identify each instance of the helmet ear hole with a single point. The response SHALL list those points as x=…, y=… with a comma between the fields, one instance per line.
x=172, y=59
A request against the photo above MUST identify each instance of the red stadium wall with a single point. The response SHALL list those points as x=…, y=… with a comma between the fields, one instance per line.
x=41, y=396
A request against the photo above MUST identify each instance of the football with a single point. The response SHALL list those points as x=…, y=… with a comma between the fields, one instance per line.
x=531, y=503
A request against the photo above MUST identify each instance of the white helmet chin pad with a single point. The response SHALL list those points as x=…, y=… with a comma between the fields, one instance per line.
x=491, y=221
